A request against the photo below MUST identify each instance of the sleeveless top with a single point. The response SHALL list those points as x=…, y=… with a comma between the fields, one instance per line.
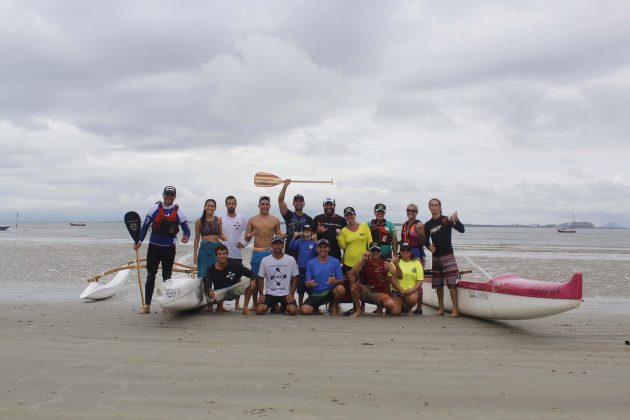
x=374, y=276
x=210, y=227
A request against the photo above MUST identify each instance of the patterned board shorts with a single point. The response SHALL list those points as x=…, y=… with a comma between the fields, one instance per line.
x=444, y=269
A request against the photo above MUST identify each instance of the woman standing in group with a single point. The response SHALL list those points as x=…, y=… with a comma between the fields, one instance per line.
x=413, y=233
x=408, y=290
x=209, y=229
x=354, y=239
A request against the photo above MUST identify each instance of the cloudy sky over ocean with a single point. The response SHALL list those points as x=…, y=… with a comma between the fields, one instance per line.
x=510, y=112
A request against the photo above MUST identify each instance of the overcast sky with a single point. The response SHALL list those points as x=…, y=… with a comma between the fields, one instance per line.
x=510, y=112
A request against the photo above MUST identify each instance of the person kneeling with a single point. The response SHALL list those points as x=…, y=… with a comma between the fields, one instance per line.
x=324, y=281
x=223, y=280
x=371, y=279
x=278, y=276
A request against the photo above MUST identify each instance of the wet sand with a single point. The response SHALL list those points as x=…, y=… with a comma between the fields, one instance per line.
x=102, y=360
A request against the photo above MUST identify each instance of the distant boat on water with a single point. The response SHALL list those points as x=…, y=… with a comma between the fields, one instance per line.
x=77, y=224
x=4, y=227
x=567, y=229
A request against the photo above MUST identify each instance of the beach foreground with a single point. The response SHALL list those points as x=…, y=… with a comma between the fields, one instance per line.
x=103, y=360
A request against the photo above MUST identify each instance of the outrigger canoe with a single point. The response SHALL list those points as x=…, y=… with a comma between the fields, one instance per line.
x=510, y=297
x=180, y=293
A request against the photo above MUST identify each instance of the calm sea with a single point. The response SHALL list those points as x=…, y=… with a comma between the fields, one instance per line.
x=51, y=261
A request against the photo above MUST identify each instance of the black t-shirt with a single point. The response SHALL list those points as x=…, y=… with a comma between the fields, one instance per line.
x=440, y=230
x=332, y=223
x=220, y=279
x=294, y=224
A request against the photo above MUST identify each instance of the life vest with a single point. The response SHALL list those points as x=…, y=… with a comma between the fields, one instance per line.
x=380, y=233
x=410, y=235
x=165, y=225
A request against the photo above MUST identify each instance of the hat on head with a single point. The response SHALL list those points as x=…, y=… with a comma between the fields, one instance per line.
x=277, y=238
x=380, y=207
x=349, y=210
x=323, y=242
x=374, y=245
x=298, y=197
x=329, y=200
x=306, y=227
x=405, y=245
x=169, y=190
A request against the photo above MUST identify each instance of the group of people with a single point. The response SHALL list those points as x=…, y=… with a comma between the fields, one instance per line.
x=331, y=258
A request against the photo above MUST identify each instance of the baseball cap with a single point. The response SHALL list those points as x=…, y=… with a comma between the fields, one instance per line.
x=405, y=245
x=298, y=197
x=306, y=227
x=169, y=190
x=375, y=245
x=323, y=242
x=329, y=200
x=379, y=207
x=349, y=210
x=277, y=238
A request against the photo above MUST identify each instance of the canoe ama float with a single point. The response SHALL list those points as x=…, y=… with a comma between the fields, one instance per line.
x=98, y=291
x=510, y=297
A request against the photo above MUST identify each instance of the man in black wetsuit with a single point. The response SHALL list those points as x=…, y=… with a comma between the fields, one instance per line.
x=444, y=267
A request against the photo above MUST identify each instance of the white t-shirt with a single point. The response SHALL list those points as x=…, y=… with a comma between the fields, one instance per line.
x=234, y=229
x=278, y=274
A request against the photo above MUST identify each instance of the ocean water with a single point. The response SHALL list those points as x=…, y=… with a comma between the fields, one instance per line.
x=52, y=261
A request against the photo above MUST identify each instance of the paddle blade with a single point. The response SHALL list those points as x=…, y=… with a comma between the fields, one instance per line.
x=133, y=223
x=264, y=179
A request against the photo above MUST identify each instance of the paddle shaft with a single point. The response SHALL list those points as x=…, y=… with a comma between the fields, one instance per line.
x=311, y=182
x=139, y=278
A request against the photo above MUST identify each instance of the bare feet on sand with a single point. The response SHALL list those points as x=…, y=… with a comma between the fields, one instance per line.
x=440, y=312
x=146, y=309
x=246, y=311
x=454, y=314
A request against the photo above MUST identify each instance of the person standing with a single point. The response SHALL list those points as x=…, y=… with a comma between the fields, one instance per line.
x=383, y=232
x=208, y=231
x=164, y=219
x=233, y=229
x=295, y=219
x=444, y=268
x=412, y=232
x=353, y=239
x=306, y=250
x=327, y=224
x=277, y=280
x=262, y=228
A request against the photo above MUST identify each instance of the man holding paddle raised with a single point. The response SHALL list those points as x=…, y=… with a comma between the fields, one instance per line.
x=164, y=219
x=295, y=220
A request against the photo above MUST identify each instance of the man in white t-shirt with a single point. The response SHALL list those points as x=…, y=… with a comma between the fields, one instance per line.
x=278, y=274
x=234, y=228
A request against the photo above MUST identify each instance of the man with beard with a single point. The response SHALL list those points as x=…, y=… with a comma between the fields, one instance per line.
x=327, y=226
x=233, y=228
x=295, y=220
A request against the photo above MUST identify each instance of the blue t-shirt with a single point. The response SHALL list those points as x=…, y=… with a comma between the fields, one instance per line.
x=305, y=248
x=320, y=272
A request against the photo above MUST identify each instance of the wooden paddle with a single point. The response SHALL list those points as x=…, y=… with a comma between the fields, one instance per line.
x=264, y=179
x=134, y=223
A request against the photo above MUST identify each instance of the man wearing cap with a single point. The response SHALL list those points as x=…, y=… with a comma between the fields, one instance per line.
x=372, y=278
x=383, y=232
x=444, y=267
x=277, y=277
x=353, y=239
x=324, y=280
x=262, y=228
x=294, y=220
x=164, y=219
x=327, y=224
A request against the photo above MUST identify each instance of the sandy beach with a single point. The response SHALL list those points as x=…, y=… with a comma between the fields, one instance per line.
x=103, y=360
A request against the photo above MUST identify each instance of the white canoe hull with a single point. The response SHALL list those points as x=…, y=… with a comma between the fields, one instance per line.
x=489, y=305
x=180, y=294
x=98, y=291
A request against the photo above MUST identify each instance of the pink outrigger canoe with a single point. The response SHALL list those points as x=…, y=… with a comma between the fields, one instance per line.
x=510, y=297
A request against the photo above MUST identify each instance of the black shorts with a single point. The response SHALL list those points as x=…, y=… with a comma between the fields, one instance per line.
x=317, y=301
x=271, y=300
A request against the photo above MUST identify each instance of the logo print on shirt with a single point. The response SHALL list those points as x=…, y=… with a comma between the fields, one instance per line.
x=278, y=277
